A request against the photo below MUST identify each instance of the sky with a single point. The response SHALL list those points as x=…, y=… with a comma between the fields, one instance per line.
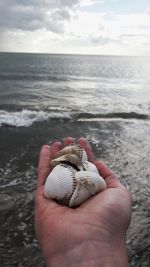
x=105, y=27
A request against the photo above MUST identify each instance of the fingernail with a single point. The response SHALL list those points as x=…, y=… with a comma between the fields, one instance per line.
x=47, y=146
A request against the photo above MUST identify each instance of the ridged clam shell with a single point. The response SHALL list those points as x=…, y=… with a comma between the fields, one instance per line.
x=70, y=158
x=71, y=187
x=73, y=149
x=88, y=184
x=60, y=183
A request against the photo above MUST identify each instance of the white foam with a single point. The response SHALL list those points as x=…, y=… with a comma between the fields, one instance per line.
x=26, y=118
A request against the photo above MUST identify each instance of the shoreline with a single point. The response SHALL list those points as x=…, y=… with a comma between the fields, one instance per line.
x=124, y=146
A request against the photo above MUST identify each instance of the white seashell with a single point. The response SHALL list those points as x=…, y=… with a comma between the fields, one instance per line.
x=73, y=179
x=88, y=184
x=70, y=187
x=73, y=149
x=88, y=166
x=73, y=159
x=60, y=183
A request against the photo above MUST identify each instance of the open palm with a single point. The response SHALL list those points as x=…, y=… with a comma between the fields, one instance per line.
x=102, y=219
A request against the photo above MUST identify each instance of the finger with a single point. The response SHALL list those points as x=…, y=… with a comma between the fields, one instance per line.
x=86, y=146
x=68, y=141
x=109, y=176
x=44, y=164
x=55, y=147
x=46, y=155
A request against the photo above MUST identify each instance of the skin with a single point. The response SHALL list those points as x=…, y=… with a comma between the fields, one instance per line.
x=91, y=235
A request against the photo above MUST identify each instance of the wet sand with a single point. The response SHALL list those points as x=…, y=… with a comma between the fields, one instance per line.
x=124, y=145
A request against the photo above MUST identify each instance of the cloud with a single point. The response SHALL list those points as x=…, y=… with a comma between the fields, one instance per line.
x=34, y=15
x=64, y=26
x=128, y=33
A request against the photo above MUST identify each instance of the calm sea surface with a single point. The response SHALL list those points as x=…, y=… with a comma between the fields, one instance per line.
x=36, y=87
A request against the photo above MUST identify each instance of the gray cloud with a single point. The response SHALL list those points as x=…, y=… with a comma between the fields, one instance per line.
x=33, y=15
x=42, y=3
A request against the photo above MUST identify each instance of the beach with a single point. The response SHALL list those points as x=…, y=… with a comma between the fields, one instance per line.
x=44, y=98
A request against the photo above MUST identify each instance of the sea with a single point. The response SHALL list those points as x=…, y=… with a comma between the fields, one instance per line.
x=39, y=87
x=47, y=97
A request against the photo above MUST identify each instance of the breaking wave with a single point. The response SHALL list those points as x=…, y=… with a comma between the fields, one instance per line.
x=26, y=118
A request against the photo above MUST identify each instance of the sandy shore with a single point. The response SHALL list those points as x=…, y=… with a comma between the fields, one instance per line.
x=123, y=145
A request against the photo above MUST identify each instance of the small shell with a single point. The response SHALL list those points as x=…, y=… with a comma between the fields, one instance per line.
x=88, y=184
x=70, y=187
x=88, y=166
x=70, y=158
x=73, y=149
x=60, y=183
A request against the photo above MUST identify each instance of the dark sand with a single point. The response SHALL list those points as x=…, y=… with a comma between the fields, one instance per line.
x=123, y=145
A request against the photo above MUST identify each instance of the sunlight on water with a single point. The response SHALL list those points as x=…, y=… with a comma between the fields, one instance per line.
x=91, y=84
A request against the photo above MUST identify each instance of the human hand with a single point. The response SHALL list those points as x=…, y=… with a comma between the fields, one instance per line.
x=90, y=235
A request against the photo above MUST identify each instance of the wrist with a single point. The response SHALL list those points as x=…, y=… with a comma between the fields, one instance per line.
x=91, y=253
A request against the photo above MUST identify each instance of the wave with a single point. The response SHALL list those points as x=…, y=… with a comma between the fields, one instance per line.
x=114, y=115
x=47, y=77
x=33, y=77
x=26, y=118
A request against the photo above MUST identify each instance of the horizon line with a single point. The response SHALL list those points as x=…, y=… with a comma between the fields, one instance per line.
x=72, y=54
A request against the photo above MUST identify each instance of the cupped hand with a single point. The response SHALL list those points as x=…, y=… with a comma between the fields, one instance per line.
x=89, y=233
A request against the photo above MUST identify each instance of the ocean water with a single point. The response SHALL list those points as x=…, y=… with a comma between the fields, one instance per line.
x=44, y=98
x=37, y=87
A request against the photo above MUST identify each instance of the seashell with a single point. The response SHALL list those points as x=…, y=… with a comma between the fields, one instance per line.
x=73, y=178
x=70, y=159
x=73, y=149
x=72, y=187
x=88, y=166
x=60, y=183
x=88, y=184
